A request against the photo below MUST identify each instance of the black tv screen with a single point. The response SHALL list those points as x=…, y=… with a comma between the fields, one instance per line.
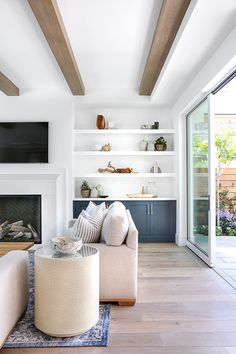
x=24, y=142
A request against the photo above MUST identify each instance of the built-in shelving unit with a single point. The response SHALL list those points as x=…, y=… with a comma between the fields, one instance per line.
x=123, y=198
x=125, y=152
x=125, y=175
x=124, y=131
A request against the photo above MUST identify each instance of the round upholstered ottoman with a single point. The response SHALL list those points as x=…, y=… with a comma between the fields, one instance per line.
x=66, y=291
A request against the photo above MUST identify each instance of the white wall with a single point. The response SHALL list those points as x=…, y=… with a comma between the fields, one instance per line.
x=215, y=69
x=64, y=111
x=56, y=108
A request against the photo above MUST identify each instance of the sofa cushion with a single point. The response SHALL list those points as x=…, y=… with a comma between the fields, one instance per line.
x=118, y=272
x=88, y=227
x=115, y=225
x=92, y=208
x=13, y=290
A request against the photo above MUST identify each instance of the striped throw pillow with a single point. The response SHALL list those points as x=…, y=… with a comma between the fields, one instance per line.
x=88, y=227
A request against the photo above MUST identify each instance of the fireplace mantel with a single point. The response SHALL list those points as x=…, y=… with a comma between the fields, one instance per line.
x=51, y=184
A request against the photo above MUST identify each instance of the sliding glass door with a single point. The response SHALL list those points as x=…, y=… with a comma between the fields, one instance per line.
x=201, y=181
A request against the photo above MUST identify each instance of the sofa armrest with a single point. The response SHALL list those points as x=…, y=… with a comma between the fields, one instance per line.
x=71, y=223
x=132, y=236
x=13, y=290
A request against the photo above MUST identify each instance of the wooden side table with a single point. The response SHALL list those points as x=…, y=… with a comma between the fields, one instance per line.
x=66, y=291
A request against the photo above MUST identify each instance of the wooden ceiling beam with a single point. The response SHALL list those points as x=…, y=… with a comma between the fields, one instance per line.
x=48, y=15
x=7, y=86
x=170, y=18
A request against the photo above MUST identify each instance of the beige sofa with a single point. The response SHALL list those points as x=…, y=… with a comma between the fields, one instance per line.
x=13, y=290
x=118, y=268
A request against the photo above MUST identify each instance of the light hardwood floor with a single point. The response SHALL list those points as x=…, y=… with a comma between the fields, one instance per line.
x=183, y=307
x=6, y=247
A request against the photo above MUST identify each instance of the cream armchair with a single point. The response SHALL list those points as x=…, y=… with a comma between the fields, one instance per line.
x=118, y=268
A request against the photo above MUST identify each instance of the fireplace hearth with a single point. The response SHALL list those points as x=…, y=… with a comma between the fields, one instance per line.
x=20, y=218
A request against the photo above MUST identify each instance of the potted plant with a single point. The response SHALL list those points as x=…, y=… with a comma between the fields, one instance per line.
x=160, y=144
x=85, y=189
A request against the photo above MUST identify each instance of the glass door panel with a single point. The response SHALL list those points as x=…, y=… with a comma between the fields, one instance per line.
x=199, y=176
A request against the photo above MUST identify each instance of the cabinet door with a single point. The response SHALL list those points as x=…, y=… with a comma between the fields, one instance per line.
x=139, y=213
x=162, y=221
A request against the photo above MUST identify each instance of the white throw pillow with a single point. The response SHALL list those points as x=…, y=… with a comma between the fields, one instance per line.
x=115, y=225
x=88, y=227
x=92, y=208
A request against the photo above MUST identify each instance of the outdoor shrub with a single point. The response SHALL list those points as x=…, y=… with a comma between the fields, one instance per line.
x=227, y=220
x=231, y=231
x=201, y=229
x=218, y=230
x=227, y=202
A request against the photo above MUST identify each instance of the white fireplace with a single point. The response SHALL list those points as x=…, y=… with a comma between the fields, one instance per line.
x=51, y=185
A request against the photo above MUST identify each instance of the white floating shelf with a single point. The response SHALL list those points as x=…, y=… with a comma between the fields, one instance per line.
x=126, y=175
x=124, y=153
x=123, y=198
x=124, y=131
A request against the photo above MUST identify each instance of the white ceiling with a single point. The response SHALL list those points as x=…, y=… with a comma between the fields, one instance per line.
x=110, y=40
x=209, y=24
x=24, y=53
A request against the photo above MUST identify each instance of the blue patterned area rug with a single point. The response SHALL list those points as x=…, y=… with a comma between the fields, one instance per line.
x=26, y=335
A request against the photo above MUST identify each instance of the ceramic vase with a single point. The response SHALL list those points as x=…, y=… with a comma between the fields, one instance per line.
x=150, y=146
x=143, y=145
x=85, y=193
x=160, y=147
x=101, y=123
x=94, y=192
x=100, y=189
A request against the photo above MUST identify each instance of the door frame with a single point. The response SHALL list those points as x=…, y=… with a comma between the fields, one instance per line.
x=210, y=257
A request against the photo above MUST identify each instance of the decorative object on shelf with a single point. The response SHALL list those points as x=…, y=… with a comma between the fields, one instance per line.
x=100, y=190
x=150, y=146
x=111, y=125
x=85, y=189
x=112, y=169
x=143, y=145
x=105, y=170
x=143, y=190
x=145, y=195
x=106, y=147
x=160, y=144
x=66, y=245
x=103, y=196
x=97, y=147
x=120, y=170
x=155, y=168
x=101, y=122
x=155, y=125
x=146, y=126
x=151, y=188
x=94, y=193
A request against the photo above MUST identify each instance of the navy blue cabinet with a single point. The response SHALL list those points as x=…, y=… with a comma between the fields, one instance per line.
x=162, y=221
x=155, y=220
x=140, y=214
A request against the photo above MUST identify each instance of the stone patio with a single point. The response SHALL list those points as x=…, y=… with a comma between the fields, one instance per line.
x=226, y=257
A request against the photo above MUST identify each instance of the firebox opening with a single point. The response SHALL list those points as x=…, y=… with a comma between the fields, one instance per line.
x=20, y=218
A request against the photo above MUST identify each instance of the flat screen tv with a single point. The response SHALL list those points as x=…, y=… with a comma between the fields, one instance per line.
x=24, y=142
